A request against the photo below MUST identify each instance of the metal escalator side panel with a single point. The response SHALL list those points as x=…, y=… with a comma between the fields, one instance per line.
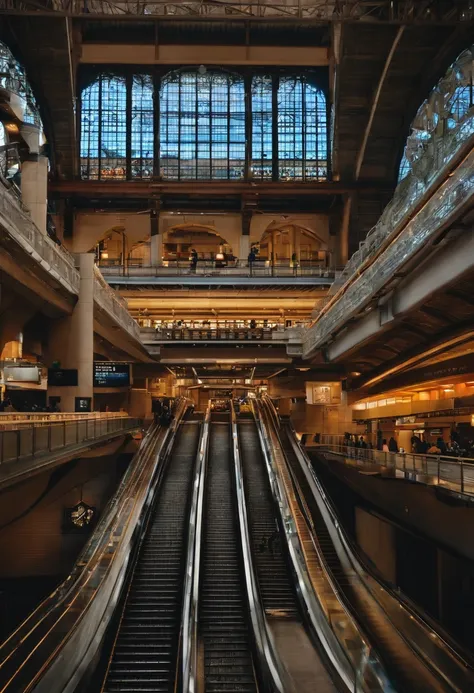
x=439, y=657
x=190, y=674
x=53, y=634
x=271, y=667
x=145, y=652
x=332, y=624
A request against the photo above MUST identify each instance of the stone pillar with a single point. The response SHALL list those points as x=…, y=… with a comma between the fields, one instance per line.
x=71, y=341
x=156, y=238
x=245, y=237
x=344, y=234
x=34, y=189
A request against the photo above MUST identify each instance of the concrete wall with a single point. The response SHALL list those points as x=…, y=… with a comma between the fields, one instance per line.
x=377, y=540
x=36, y=544
x=416, y=506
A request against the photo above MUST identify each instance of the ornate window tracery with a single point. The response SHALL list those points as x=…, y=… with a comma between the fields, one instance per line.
x=199, y=124
x=448, y=104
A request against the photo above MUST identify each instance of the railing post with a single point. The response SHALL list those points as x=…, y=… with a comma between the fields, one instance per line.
x=64, y=434
x=49, y=437
x=462, y=476
x=34, y=440
x=18, y=443
x=439, y=463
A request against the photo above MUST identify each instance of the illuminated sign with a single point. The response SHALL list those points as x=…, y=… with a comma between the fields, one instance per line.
x=109, y=374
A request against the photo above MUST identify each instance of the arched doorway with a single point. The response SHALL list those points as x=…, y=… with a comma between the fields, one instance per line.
x=284, y=242
x=182, y=238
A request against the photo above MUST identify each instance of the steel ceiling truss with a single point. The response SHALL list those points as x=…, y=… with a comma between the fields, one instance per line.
x=405, y=11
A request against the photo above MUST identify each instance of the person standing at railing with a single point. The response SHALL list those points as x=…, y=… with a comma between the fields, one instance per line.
x=385, y=447
x=193, y=260
x=392, y=445
x=252, y=257
x=294, y=262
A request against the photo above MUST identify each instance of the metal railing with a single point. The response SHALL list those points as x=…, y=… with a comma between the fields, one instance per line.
x=16, y=221
x=438, y=212
x=211, y=268
x=455, y=473
x=201, y=334
x=21, y=418
x=39, y=439
x=426, y=173
x=114, y=305
x=53, y=647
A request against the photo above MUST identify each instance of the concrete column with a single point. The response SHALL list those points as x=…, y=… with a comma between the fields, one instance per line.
x=344, y=233
x=244, y=249
x=34, y=189
x=72, y=340
x=156, y=239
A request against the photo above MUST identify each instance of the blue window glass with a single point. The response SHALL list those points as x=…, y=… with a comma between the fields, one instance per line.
x=104, y=129
x=262, y=128
x=142, y=127
x=302, y=131
x=202, y=126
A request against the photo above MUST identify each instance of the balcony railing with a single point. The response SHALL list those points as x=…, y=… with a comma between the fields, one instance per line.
x=210, y=268
x=31, y=443
x=237, y=334
x=453, y=473
x=425, y=175
x=113, y=304
x=16, y=221
x=439, y=211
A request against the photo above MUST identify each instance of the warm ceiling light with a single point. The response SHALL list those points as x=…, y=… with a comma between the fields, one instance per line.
x=355, y=374
x=11, y=127
x=303, y=369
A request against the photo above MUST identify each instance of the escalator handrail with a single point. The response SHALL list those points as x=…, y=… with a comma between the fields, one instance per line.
x=335, y=651
x=432, y=638
x=121, y=517
x=275, y=675
x=190, y=610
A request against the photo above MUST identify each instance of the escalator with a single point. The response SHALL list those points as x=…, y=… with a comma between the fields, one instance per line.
x=145, y=651
x=223, y=624
x=275, y=580
x=409, y=671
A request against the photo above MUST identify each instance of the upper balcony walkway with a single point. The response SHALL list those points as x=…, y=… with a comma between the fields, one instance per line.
x=54, y=263
x=451, y=473
x=207, y=272
x=31, y=443
x=431, y=199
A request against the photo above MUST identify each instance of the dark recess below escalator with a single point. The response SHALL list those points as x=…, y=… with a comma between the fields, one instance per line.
x=144, y=657
x=222, y=613
x=418, y=561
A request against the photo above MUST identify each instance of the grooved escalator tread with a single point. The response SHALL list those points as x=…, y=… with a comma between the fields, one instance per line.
x=223, y=619
x=272, y=571
x=144, y=656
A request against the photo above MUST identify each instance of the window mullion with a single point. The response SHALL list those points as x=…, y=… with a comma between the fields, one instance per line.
x=128, y=127
x=275, y=154
x=99, y=136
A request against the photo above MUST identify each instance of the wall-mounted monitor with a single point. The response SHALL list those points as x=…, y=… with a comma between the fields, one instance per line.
x=110, y=374
x=62, y=377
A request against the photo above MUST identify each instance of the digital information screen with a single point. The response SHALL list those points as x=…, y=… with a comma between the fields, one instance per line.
x=108, y=374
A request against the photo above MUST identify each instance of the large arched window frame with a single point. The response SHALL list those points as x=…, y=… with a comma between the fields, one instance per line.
x=199, y=124
x=202, y=126
x=448, y=104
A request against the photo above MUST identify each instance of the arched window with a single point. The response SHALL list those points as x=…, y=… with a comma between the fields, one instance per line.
x=104, y=129
x=202, y=126
x=13, y=78
x=448, y=104
x=262, y=128
x=302, y=131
